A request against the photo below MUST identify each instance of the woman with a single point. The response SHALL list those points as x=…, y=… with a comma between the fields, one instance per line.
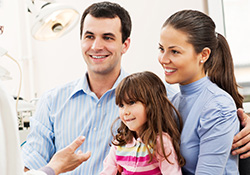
x=199, y=59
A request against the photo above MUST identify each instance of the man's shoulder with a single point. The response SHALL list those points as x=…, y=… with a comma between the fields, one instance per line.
x=65, y=89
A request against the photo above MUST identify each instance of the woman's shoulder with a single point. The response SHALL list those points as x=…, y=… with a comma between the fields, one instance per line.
x=219, y=96
x=219, y=104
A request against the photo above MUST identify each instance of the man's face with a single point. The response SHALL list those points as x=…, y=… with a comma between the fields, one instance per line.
x=102, y=46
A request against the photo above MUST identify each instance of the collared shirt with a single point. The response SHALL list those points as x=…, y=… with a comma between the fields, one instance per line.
x=134, y=159
x=210, y=123
x=63, y=114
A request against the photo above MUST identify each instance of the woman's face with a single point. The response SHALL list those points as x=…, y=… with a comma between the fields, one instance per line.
x=178, y=58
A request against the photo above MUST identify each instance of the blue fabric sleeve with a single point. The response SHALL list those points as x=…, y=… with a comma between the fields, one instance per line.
x=39, y=148
x=218, y=125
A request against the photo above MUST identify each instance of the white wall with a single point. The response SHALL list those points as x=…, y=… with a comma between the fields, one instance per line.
x=59, y=61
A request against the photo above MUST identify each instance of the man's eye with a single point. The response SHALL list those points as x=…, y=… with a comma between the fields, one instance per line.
x=108, y=38
x=89, y=37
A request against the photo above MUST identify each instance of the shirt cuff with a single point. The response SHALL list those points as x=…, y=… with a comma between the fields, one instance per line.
x=47, y=170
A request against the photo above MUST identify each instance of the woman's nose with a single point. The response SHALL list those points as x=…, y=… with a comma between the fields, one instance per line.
x=164, y=59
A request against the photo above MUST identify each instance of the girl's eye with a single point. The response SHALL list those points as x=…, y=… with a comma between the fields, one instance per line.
x=131, y=102
x=121, y=105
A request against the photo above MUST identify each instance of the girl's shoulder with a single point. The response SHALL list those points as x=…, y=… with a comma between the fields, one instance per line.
x=167, y=140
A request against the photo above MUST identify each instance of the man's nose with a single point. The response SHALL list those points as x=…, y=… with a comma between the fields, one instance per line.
x=97, y=44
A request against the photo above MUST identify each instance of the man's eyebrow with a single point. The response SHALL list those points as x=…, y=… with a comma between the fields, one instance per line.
x=109, y=34
x=88, y=33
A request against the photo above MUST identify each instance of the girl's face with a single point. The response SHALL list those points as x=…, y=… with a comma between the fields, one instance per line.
x=178, y=58
x=133, y=115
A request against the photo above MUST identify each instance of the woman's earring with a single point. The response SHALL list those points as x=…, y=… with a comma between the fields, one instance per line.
x=201, y=61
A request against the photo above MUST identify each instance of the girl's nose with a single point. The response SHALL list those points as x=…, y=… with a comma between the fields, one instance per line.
x=126, y=111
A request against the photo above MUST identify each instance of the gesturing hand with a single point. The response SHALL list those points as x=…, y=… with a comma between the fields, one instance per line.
x=66, y=159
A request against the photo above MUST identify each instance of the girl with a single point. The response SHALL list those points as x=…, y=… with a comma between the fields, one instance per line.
x=147, y=141
x=199, y=59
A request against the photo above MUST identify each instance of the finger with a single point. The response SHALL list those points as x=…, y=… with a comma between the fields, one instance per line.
x=85, y=156
x=79, y=152
x=241, y=116
x=241, y=150
x=241, y=142
x=238, y=137
x=246, y=155
x=119, y=168
x=76, y=143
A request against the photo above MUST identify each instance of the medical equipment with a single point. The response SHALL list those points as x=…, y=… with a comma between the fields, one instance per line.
x=52, y=20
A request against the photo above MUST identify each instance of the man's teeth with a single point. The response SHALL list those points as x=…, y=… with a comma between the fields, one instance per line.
x=169, y=70
x=98, y=57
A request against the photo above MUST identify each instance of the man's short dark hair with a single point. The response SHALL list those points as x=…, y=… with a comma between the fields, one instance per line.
x=109, y=10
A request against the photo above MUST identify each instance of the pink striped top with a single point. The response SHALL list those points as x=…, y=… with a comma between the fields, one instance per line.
x=133, y=158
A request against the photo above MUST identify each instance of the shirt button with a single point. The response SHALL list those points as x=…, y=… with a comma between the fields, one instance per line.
x=94, y=128
x=99, y=105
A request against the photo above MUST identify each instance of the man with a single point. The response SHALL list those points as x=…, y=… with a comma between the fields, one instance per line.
x=86, y=106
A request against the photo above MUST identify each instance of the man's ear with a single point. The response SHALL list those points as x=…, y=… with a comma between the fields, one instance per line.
x=125, y=45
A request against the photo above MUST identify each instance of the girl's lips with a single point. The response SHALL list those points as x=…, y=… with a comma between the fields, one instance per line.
x=128, y=120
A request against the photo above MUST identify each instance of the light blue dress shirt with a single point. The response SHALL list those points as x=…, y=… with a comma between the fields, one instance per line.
x=66, y=112
x=210, y=123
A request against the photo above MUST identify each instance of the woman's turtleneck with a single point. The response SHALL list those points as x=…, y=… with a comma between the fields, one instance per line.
x=194, y=87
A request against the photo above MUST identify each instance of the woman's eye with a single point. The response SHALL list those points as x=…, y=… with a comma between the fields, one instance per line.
x=161, y=49
x=175, y=52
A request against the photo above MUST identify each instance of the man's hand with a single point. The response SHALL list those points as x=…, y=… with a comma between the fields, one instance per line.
x=66, y=159
x=243, y=137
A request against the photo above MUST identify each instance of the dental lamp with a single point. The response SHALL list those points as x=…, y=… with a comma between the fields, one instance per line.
x=52, y=20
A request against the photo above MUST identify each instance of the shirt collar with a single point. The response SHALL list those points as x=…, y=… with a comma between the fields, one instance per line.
x=83, y=85
x=133, y=142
